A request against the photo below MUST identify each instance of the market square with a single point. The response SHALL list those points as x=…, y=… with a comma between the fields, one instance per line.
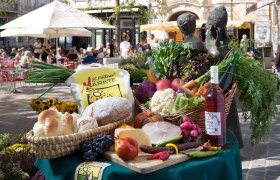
x=87, y=100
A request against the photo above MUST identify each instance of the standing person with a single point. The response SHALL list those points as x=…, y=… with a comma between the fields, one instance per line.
x=152, y=40
x=112, y=47
x=37, y=47
x=202, y=32
x=143, y=45
x=277, y=65
x=243, y=40
x=125, y=47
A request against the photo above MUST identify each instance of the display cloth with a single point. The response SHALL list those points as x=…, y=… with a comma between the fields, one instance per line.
x=225, y=165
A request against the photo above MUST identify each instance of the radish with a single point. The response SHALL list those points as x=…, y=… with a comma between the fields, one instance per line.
x=185, y=133
x=186, y=118
x=194, y=133
x=186, y=126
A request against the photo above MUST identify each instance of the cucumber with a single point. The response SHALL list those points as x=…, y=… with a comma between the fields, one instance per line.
x=162, y=144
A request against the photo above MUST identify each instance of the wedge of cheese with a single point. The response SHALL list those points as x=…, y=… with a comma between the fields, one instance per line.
x=137, y=134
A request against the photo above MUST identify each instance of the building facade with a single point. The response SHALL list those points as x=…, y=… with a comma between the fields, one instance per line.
x=260, y=24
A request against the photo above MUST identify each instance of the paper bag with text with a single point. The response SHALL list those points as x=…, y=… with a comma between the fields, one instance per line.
x=91, y=84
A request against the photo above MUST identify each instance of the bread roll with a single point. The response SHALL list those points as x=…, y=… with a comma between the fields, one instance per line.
x=53, y=123
x=108, y=110
x=82, y=123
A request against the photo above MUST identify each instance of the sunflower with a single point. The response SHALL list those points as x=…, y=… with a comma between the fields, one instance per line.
x=69, y=107
x=60, y=102
x=38, y=102
x=51, y=101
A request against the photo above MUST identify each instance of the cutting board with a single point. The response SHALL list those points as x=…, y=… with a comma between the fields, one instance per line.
x=141, y=165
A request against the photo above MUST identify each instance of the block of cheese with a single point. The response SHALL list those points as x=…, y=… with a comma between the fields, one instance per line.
x=137, y=134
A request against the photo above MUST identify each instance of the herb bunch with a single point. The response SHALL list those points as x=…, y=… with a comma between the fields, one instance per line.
x=169, y=58
x=258, y=94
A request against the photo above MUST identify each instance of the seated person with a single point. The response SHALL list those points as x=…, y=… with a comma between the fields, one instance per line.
x=13, y=53
x=89, y=58
x=72, y=54
x=60, y=56
x=25, y=60
x=3, y=54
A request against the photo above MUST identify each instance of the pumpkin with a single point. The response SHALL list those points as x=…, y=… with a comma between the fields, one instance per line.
x=146, y=117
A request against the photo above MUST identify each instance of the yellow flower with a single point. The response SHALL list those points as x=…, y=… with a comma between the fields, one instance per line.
x=51, y=101
x=60, y=102
x=38, y=102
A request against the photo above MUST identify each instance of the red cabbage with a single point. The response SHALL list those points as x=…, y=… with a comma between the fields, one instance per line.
x=145, y=91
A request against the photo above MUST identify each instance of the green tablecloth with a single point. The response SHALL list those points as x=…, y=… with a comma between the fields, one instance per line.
x=225, y=166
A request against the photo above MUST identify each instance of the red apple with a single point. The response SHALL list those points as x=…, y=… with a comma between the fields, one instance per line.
x=177, y=83
x=163, y=84
x=126, y=148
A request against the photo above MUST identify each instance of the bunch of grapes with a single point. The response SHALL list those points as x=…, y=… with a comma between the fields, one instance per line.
x=92, y=149
x=190, y=131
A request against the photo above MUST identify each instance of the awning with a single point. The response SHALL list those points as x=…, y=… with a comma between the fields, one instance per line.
x=171, y=26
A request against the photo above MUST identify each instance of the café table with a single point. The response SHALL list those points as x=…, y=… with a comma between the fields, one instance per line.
x=226, y=165
x=15, y=74
x=111, y=60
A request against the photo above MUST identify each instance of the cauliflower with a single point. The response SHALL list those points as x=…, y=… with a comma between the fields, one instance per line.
x=163, y=101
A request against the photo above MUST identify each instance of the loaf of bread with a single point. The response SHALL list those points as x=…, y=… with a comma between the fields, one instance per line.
x=53, y=123
x=83, y=123
x=108, y=110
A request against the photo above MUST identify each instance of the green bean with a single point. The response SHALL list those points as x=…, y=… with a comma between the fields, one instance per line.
x=202, y=154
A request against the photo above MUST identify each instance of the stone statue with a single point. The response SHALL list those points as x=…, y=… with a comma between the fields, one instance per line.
x=187, y=24
x=217, y=39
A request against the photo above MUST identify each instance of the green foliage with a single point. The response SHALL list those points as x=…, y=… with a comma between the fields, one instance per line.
x=139, y=75
x=17, y=160
x=3, y=5
x=168, y=59
x=129, y=67
x=258, y=94
x=4, y=140
x=140, y=60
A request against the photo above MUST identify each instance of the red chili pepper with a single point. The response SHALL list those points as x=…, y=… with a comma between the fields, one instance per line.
x=206, y=146
x=154, y=156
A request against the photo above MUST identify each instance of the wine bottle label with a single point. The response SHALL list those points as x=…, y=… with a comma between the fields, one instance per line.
x=213, y=123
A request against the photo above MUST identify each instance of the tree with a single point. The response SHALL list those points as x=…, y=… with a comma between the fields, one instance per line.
x=142, y=15
x=3, y=5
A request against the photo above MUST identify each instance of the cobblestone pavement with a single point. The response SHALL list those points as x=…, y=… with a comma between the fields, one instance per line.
x=261, y=162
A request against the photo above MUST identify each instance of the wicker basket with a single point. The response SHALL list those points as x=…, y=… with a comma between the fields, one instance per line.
x=58, y=146
x=196, y=115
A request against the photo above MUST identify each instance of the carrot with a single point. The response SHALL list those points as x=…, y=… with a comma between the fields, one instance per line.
x=194, y=90
x=190, y=84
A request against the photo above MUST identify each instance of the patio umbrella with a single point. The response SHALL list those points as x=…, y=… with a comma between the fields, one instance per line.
x=56, y=15
x=45, y=33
